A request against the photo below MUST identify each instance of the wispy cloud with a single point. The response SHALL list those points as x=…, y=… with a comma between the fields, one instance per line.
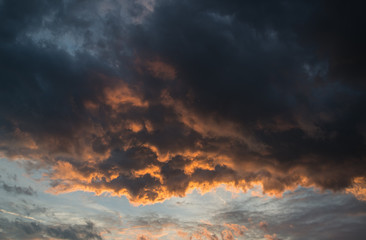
x=17, y=189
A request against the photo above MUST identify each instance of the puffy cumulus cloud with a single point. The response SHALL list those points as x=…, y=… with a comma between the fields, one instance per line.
x=151, y=99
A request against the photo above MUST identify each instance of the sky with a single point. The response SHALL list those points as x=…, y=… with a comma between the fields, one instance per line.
x=189, y=119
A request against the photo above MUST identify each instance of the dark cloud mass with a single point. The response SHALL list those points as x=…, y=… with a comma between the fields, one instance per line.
x=151, y=99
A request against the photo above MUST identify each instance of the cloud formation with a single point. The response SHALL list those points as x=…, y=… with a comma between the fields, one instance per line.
x=301, y=214
x=17, y=189
x=151, y=99
x=33, y=230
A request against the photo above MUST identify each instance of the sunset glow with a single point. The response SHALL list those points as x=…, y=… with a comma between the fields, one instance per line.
x=190, y=119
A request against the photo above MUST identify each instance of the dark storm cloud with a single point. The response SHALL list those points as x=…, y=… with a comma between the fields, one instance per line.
x=19, y=229
x=154, y=98
x=273, y=68
x=251, y=68
x=133, y=159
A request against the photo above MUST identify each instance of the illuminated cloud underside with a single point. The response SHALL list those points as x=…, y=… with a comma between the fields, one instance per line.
x=154, y=99
x=158, y=118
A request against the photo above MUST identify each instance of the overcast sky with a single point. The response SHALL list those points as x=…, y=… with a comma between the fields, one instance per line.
x=189, y=119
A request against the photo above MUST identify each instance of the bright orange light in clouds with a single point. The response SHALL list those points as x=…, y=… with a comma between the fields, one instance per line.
x=358, y=188
x=153, y=172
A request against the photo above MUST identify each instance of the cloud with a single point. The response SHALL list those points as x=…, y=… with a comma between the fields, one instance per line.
x=358, y=189
x=30, y=230
x=154, y=226
x=142, y=237
x=271, y=237
x=138, y=99
x=299, y=215
x=17, y=189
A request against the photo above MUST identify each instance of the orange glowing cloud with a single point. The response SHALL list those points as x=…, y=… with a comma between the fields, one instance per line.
x=237, y=229
x=153, y=149
x=271, y=237
x=176, y=175
x=161, y=70
x=115, y=97
x=358, y=188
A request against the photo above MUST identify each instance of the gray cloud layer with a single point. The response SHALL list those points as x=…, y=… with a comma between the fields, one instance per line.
x=30, y=230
